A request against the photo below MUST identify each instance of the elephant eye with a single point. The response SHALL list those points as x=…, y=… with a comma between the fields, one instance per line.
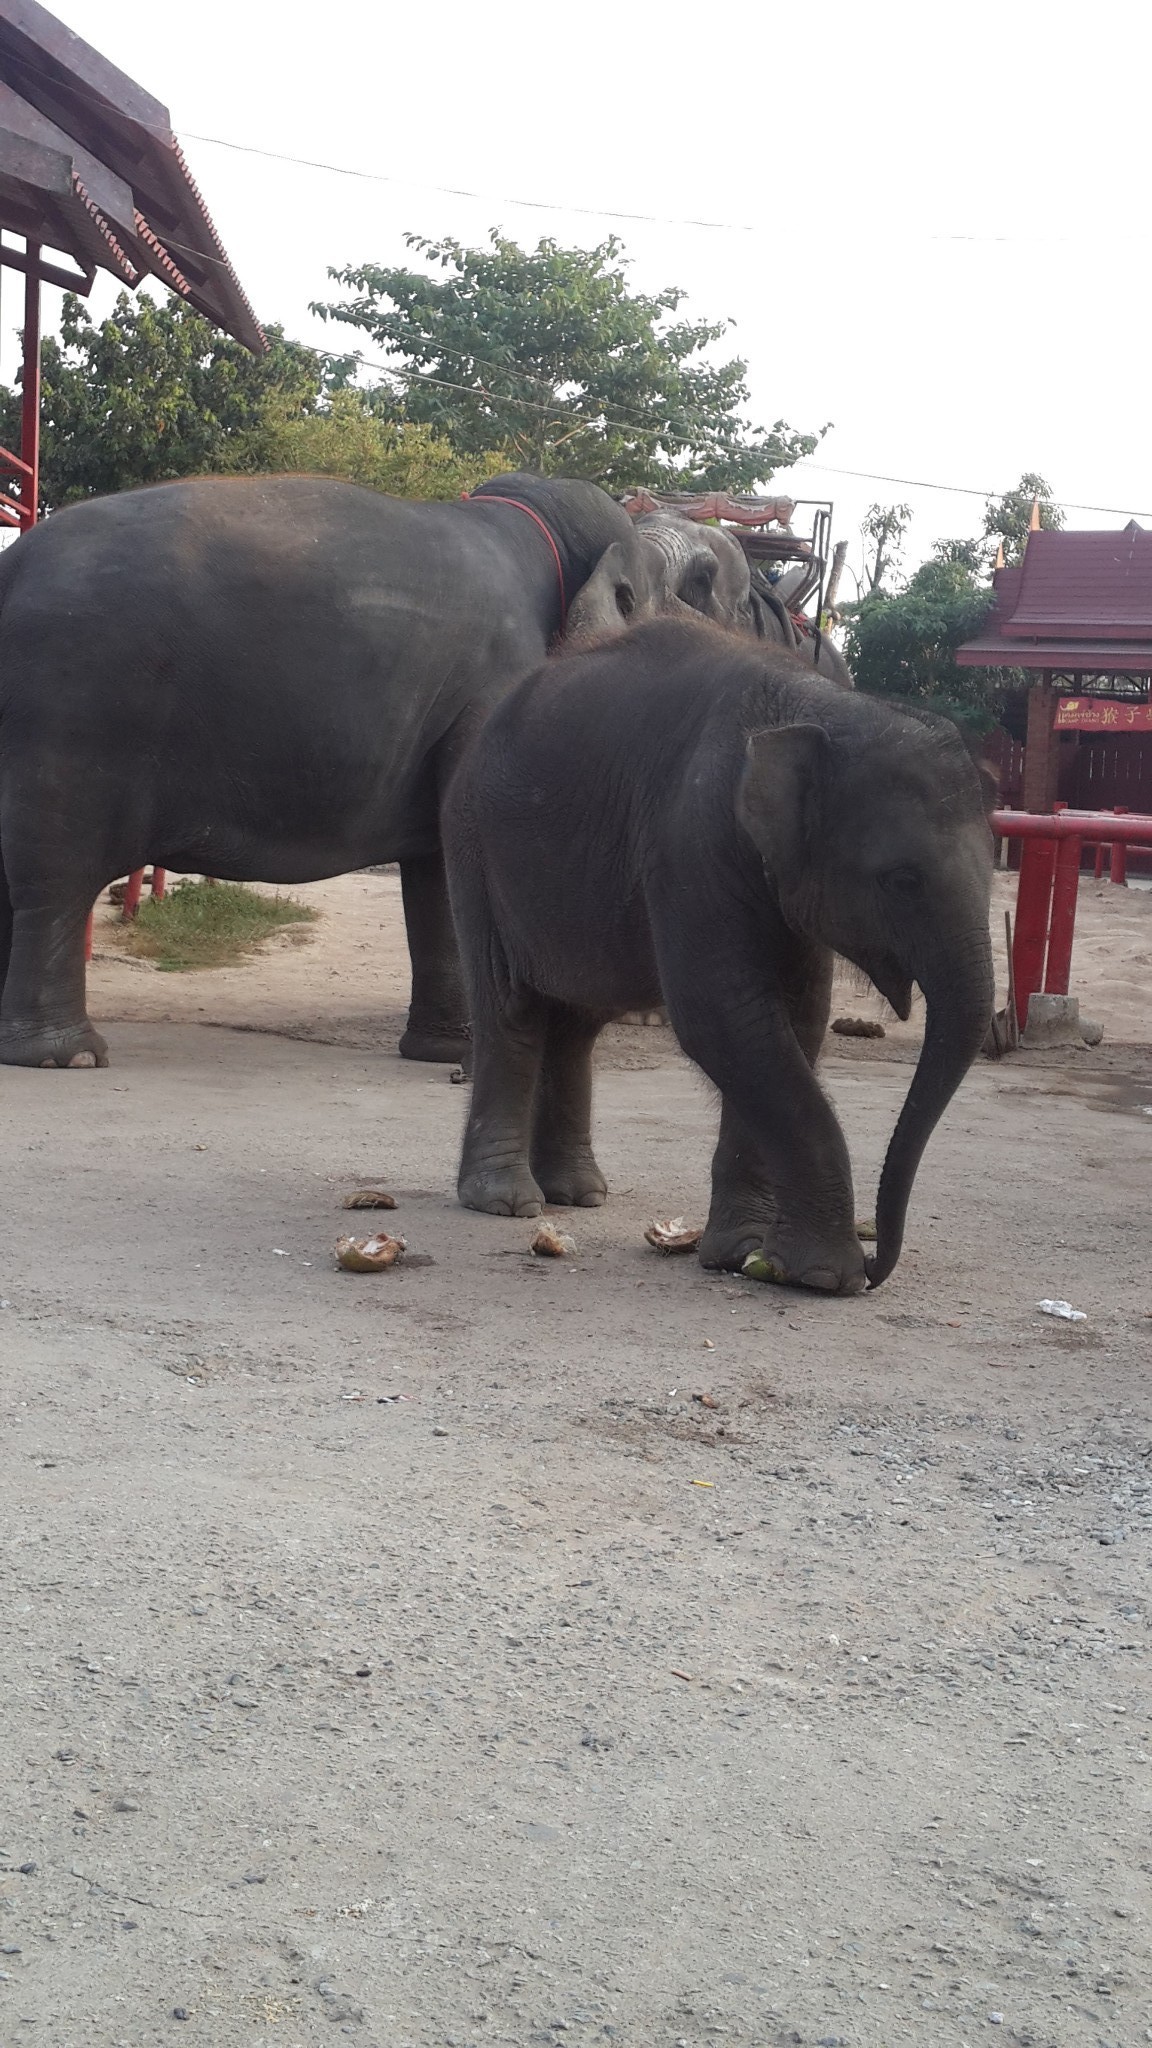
x=903, y=881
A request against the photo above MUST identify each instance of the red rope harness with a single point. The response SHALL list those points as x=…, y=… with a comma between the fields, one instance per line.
x=490, y=498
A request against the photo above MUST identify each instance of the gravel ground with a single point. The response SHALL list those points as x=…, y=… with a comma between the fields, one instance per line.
x=500, y=1651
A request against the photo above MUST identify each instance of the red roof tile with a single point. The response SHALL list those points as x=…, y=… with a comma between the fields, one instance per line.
x=1079, y=603
x=1085, y=584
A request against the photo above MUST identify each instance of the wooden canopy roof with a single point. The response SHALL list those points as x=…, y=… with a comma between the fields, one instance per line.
x=89, y=166
x=1079, y=603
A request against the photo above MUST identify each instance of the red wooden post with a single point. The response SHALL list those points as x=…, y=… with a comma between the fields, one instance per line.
x=30, y=389
x=1033, y=908
x=1063, y=920
x=1098, y=869
x=159, y=882
x=132, y=889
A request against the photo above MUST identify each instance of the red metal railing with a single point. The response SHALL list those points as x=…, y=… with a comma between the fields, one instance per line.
x=1053, y=843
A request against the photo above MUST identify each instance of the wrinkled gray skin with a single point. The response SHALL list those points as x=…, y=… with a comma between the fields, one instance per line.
x=678, y=569
x=695, y=568
x=682, y=817
x=266, y=678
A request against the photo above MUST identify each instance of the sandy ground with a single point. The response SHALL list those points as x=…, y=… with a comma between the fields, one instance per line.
x=355, y=988
x=416, y=1659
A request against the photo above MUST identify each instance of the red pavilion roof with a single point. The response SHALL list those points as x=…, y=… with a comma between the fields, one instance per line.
x=89, y=166
x=1078, y=602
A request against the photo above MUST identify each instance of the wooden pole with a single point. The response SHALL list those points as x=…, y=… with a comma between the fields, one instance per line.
x=30, y=393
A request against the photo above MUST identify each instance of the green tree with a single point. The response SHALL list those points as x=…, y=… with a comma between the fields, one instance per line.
x=1007, y=520
x=156, y=392
x=882, y=530
x=548, y=353
x=904, y=647
x=153, y=392
x=348, y=438
x=967, y=554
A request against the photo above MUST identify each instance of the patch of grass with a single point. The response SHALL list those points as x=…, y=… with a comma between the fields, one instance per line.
x=208, y=924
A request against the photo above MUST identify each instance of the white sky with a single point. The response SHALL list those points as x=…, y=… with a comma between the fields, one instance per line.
x=950, y=246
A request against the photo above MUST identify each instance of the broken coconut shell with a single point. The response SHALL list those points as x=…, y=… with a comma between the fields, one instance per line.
x=369, y=1254
x=370, y=1198
x=673, y=1236
x=550, y=1243
x=757, y=1267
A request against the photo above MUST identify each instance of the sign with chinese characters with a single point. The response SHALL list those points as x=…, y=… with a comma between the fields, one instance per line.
x=1099, y=714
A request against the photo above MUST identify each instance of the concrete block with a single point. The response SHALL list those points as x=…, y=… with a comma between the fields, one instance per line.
x=1052, y=1020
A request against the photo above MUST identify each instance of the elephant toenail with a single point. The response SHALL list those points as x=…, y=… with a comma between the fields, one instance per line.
x=82, y=1059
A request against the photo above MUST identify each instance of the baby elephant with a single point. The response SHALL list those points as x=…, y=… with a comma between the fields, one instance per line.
x=686, y=818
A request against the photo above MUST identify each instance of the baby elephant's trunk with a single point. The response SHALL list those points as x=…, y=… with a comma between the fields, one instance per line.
x=959, y=1006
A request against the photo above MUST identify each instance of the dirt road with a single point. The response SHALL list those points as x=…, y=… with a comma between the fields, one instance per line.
x=498, y=1651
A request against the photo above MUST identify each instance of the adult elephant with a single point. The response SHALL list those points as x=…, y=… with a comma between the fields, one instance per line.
x=685, y=568
x=775, y=622
x=264, y=678
x=703, y=569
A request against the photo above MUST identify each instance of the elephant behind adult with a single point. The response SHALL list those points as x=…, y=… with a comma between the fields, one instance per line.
x=695, y=567
x=775, y=622
x=267, y=679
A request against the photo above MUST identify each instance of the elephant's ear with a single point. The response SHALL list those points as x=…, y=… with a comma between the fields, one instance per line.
x=778, y=801
x=613, y=598
x=989, y=775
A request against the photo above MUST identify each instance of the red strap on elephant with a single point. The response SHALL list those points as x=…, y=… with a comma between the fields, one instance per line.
x=491, y=498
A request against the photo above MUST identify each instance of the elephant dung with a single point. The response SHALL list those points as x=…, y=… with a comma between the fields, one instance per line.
x=370, y=1198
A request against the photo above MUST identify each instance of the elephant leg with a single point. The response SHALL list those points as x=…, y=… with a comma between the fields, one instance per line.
x=43, y=1019
x=781, y=1178
x=507, y=1056
x=562, y=1157
x=438, y=1012
x=751, y=1211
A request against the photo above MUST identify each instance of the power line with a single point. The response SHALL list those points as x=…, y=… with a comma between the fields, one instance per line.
x=308, y=163
x=635, y=428
x=916, y=483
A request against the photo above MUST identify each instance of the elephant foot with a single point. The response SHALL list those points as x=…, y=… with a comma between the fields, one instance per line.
x=572, y=1183
x=788, y=1258
x=51, y=1045
x=440, y=1044
x=500, y=1191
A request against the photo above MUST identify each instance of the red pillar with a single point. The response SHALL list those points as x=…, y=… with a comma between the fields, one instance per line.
x=132, y=889
x=1033, y=909
x=1042, y=749
x=30, y=390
